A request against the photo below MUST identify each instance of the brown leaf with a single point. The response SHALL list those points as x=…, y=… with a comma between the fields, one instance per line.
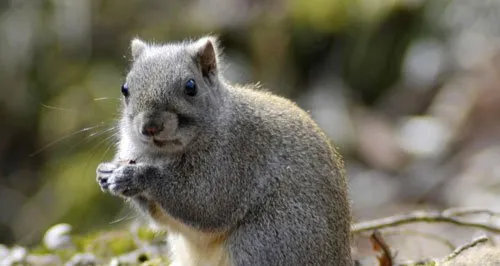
x=384, y=258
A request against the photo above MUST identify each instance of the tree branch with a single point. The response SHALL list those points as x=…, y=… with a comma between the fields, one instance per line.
x=466, y=246
x=446, y=216
x=468, y=211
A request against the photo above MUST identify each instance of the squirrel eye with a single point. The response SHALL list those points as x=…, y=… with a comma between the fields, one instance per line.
x=125, y=90
x=191, y=88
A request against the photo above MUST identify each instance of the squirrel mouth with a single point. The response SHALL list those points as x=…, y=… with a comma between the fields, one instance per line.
x=161, y=143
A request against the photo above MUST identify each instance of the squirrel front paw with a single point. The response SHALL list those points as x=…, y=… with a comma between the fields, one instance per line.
x=120, y=180
x=104, y=172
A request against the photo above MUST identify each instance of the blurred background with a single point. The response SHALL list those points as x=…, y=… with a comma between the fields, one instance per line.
x=409, y=91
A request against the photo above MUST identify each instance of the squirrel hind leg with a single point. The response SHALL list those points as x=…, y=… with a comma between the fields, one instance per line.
x=283, y=242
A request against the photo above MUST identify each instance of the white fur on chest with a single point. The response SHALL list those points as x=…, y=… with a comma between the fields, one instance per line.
x=185, y=252
x=188, y=246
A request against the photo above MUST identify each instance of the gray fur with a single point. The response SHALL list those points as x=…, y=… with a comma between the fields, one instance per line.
x=244, y=162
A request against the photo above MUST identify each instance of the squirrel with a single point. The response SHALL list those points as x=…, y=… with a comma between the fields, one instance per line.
x=237, y=175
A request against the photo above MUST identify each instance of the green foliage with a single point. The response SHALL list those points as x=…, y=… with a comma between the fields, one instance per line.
x=147, y=234
x=106, y=244
x=112, y=245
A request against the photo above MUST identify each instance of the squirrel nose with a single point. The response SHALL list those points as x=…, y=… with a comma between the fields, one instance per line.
x=151, y=129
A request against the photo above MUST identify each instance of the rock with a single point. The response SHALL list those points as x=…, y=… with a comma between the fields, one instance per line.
x=58, y=237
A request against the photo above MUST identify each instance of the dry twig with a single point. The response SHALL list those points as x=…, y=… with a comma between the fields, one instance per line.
x=445, y=216
x=469, y=211
x=466, y=246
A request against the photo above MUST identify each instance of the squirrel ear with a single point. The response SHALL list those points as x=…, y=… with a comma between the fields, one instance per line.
x=207, y=55
x=137, y=47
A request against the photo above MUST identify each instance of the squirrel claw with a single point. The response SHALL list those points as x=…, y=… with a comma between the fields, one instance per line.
x=106, y=168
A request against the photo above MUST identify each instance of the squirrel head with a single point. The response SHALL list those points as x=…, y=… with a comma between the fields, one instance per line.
x=172, y=94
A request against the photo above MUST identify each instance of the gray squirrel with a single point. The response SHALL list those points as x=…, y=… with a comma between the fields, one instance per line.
x=237, y=176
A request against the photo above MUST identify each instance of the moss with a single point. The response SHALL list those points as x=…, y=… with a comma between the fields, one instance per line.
x=40, y=250
x=147, y=234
